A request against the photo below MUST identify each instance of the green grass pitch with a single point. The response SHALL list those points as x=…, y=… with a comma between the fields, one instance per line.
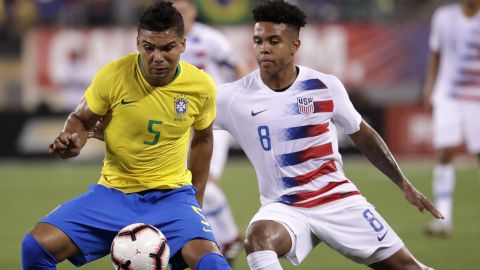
x=30, y=190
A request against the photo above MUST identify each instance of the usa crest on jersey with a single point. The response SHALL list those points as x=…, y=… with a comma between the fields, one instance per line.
x=305, y=105
x=181, y=105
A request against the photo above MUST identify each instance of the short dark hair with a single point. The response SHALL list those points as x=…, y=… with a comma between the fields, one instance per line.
x=279, y=11
x=161, y=17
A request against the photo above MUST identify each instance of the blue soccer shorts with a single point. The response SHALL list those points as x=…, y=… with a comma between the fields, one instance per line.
x=93, y=219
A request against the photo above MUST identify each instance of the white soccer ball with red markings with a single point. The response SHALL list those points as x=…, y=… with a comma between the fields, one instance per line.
x=140, y=247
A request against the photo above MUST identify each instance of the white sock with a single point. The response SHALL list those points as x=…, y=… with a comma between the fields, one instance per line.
x=443, y=186
x=264, y=260
x=217, y=211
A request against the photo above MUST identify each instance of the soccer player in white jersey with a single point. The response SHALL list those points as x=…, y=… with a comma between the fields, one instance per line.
x=284, y=115
x=209, y=50
x=452, y=89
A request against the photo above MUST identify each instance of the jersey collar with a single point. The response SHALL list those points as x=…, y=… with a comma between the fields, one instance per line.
x=177, y=71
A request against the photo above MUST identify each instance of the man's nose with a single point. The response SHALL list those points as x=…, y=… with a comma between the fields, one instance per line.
x=158, y=56
x=265, y=48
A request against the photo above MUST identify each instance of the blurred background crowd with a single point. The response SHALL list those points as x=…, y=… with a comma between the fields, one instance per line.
x=20, y=16
x=50, y=49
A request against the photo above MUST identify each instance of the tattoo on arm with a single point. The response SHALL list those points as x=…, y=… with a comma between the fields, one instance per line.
x=374, y=148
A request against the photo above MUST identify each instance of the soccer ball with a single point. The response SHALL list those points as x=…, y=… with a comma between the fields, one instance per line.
x=140, y=247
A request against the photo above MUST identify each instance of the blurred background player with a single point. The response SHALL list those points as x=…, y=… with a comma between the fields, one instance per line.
x=287, y=114
x=452, y=94
x=209, y=50
x=75, y=77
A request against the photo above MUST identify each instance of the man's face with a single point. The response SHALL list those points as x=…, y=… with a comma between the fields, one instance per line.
x=159, y=53
x=188, y=11
x=274, y=45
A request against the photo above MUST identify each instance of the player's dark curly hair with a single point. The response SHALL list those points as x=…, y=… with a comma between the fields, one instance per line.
x=279, y=11
x=161, y=17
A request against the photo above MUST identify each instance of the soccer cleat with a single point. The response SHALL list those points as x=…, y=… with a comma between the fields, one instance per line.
x=232, y=249
x=438, y=228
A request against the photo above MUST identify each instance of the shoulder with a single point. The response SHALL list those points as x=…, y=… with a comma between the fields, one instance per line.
x=193, y=72
x=118, y=67
x=206, y=32
x=447, y=10
x=196, y=77
x=323, y=80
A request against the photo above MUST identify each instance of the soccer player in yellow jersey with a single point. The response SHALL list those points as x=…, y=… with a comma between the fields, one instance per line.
x=148, y=103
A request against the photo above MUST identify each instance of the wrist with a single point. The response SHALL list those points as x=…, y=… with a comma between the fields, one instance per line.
x=404, y=185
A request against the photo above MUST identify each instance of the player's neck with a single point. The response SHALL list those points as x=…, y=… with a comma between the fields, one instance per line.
x=281, y=79
x=158, y=83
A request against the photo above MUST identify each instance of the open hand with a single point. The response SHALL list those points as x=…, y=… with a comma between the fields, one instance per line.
x=420, y=201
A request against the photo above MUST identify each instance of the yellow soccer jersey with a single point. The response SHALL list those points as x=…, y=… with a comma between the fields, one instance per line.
x=147, y=128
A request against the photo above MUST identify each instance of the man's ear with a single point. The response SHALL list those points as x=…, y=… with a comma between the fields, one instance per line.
x=183, y=44
x=295, y=46
x=138, y=41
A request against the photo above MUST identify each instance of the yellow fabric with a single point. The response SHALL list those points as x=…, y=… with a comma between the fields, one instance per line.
x=146, y=139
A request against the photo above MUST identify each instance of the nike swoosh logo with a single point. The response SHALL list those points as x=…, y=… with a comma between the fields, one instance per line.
x=255, y=113
x=380, y=238
x=124, y=102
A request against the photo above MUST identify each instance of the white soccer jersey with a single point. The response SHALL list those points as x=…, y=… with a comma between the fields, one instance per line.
x=457, y=38
x=207, y=49
x=290, y=137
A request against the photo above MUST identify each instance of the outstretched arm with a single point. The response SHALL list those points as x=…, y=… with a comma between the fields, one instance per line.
x=199, y=162
x=374, y=148
x=74, y=135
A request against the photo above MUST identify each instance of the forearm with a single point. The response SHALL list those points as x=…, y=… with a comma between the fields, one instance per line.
x=374, y=148
x=74, y=124
x=71, y=140
x=199, y=163
x=376, y=151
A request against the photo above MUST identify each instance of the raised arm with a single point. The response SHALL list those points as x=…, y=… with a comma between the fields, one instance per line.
x=74, y=135
x=199, y=162
x=374, y=148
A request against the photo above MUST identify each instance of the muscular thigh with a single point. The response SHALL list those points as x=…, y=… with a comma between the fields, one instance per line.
x=55, y=241
x=355, y=229
x=90, y=222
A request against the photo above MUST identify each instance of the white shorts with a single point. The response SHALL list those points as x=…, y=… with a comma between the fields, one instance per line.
x=351, y=226
x=455, y=122
x=221, y=145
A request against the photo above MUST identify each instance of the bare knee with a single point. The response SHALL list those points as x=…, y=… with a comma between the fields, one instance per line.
x=446, y=155
x=55, y=241
x=400, y=260
x=267, y=235
x=258, y=239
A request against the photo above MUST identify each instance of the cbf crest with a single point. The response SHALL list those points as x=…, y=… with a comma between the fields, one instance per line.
x=305, y=105
x=180, y=107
